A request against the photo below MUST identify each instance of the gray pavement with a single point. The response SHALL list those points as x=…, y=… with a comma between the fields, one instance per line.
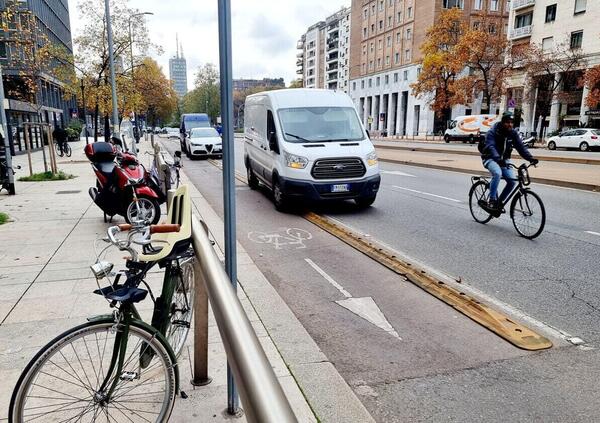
x=46, y=287
x=444, y=367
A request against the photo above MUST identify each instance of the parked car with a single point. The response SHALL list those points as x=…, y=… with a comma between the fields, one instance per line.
x=470, y=128
x=172, y=133
x=582, y=138
x=309, y=144
x=203, y=142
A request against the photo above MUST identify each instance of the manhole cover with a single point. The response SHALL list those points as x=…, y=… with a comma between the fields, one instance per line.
x=69, y=192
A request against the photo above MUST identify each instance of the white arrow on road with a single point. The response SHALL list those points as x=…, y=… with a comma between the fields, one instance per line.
x=365, y=307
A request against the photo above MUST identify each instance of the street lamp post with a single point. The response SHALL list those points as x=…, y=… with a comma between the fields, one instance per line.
x=135, y=122
x=84, y=112
x=111, y=62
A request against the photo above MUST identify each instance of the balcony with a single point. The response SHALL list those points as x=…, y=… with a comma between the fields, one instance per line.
x=332, y=58
x=300, y=44
x=299, y=62
x=522, y=32
x=521, y=4
x=299, y=71
x=300, y=55
x=333, y=46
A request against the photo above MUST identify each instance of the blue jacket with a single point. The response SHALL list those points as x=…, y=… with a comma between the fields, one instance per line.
x=499, y=146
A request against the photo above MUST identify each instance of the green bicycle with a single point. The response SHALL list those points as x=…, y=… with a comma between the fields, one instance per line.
x=117, y=367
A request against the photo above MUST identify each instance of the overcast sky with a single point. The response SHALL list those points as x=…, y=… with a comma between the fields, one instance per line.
x=264, y=32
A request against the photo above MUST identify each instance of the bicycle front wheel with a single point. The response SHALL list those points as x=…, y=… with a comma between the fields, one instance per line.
x=59, y=150
x=68, y=150
x=479, y=193
x=182, y=306
x=528, y=214
x=63, y=382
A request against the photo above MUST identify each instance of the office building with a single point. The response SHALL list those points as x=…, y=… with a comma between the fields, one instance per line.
x=178, y=72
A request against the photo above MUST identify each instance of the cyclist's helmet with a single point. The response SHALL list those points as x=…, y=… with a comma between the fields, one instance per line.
x=507, y=117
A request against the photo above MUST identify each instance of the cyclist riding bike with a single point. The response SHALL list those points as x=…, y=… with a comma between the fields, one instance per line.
x=60, y=137
x=496, y=153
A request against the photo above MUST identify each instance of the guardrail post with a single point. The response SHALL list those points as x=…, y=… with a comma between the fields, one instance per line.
x=200, y=370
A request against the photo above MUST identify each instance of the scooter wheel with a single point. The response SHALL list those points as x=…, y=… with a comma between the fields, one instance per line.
x=149, y=209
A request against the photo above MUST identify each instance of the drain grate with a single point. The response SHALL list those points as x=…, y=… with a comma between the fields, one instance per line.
x=69, y=192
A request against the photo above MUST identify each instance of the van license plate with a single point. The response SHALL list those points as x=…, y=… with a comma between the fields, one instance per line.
x=340, y=188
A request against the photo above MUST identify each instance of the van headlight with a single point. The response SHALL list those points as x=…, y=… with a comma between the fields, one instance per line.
x=372, y=158
x=295, y=162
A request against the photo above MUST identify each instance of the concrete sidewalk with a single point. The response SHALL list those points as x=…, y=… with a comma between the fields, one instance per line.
x=46, y=287
x=571, y=175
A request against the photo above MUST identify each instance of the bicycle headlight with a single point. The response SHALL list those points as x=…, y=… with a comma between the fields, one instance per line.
x=295, y=162
x=102, y=269
x=372, y=159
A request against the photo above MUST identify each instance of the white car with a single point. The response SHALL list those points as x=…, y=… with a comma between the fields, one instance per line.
x=204, y=142
x=172, y=133
x=583, y=138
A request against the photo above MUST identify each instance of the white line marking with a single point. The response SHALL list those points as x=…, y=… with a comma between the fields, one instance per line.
x=397, y=173
x=427, y=193
x=592, y=233
x=328, y=278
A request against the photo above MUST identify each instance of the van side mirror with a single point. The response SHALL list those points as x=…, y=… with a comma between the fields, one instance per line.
x=273, y=142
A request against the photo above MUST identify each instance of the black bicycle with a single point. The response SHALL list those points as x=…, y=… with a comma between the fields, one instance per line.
x=63, y=149
x=116, y=367
x=527, y=210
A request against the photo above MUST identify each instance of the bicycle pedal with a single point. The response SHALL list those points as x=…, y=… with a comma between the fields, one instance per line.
x=129, y=376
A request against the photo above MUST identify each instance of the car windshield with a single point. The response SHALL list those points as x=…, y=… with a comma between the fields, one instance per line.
x=204, y=133
x=320, y=124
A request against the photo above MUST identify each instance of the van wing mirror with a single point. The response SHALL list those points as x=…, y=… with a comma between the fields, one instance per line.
x=273, y=142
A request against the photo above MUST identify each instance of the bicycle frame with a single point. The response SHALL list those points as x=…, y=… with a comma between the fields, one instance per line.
x=522, y=180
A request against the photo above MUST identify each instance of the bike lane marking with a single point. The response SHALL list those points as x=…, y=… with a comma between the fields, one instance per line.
x=427, y=193
x=364, y=307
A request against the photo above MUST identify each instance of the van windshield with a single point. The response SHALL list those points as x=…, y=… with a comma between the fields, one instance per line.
x=320, y=124
x=192, y=122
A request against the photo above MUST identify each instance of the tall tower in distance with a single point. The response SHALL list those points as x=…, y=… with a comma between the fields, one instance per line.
x=178, y=70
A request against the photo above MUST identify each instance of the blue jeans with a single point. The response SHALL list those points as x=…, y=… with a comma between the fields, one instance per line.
x=497, y=173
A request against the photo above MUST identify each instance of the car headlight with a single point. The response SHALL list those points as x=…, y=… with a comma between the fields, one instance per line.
x=295, y=162
x=372, y=158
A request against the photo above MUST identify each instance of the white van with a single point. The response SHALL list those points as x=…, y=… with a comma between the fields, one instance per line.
x=470, y=128
x=309, y=144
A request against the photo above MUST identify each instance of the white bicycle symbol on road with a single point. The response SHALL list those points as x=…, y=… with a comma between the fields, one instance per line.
x=292, y=236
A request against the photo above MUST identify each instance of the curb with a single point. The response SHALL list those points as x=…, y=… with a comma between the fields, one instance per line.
x=574, y=160
x=564, y=184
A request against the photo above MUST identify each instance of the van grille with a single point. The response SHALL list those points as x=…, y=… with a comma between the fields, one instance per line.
x=348, y=167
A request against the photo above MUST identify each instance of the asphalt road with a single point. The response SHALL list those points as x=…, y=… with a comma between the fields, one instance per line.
x=444, y=367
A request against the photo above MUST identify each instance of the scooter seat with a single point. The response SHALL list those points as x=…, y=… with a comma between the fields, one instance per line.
x=105, y=167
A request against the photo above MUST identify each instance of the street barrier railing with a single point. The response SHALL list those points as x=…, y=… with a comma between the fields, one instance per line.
x=262, y=397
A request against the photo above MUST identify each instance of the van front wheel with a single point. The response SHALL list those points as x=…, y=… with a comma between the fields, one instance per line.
x=279, y=198
x=252, y=179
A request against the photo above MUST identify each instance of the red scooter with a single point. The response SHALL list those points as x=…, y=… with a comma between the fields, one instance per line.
x=123, y=186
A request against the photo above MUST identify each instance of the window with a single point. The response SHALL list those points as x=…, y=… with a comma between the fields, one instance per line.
x=372, y=28
x=478, y=5
x=494, y=5
x=364, y=50
x=372, y=47
x=380, y=44
x=387, y=60
x=408, y=34
x=354, y=86
x=409, y=12
x=389, y=41
x=366, y=14
x=551, y=13
x=405, y=75
x=379, y=63
x=3, y=53
x=386, y=80
x=370, y=82
x=364, y=68
x=373, y=10
x=547, y=43
x=475, y=25
x=580, y=6
x=407, y=55
x=396, y=76
x=576, y=39
x=364, y=32
x=449, y=4
x=389, y=21
x=378, y=81
x=362, y=84
x=398, y=37
x=418, y=72
x=371, y=65
x=381, y=5
x=523, y=20
x=381, y=24
x=399, y=17
x=397, y=58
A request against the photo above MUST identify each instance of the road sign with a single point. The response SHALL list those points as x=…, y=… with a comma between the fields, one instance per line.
x=370, y=120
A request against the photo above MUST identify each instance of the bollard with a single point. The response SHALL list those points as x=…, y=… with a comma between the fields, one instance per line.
x=200, y=370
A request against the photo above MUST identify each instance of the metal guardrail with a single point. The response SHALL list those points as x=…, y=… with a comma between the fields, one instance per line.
x=262, y=396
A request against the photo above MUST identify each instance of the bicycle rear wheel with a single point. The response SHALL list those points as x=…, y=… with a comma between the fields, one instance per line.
x=62, y=382
x=182, y=307
x=479, y=192
x=68, y=150
x=528, y=214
